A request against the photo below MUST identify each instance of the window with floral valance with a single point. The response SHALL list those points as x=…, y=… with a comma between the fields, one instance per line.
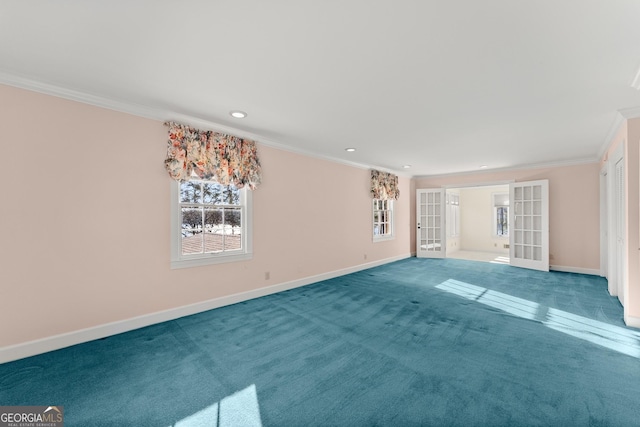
x=210, y=155
x=384, y=185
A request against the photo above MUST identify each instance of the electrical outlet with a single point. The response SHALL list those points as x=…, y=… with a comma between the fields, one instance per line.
x=267, y=275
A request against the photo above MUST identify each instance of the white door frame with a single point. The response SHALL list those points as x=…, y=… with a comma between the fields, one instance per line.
x=617, y=262
x=604, y=221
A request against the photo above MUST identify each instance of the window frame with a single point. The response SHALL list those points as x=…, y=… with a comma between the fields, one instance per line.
x=390, y=210
x=453, y=214
x=178, y=260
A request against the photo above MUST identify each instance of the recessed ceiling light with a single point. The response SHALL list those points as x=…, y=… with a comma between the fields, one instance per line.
x=483, y=166
x=350, y=149
x=406, y=166
x=238, y=114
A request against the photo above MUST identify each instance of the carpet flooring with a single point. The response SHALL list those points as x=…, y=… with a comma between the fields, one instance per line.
x=414, y=342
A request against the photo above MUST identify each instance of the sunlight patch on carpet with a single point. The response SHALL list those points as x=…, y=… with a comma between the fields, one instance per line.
x=619, y=339
x=238, y=409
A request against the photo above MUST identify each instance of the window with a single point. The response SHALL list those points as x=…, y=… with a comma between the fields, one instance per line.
x=382, y=219
x=453, y=214
x=501, y=214
x=210, y=223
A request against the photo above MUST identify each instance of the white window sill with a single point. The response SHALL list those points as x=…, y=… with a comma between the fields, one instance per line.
x=383, y=238
x=198, y=261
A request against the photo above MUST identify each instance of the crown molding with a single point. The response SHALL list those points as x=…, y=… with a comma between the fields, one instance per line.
x=613, y=131
x=530, y=166
x=82, y=97
x=636, y=81
x=165, y=115
x=621, y=116
x=630, y=113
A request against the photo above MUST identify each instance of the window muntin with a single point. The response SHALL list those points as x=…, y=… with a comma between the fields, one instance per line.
x=210, y=223
x=382, y=219
x=211, y=218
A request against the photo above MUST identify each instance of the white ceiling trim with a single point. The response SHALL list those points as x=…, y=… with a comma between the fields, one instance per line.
x=613, y=130
x=515, y=168
x=636, y=81
x=85, y=98
x=630, y=113
x=163, y=116
x=621, y=117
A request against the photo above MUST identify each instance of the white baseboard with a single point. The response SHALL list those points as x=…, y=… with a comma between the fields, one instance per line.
x=565, y=269
x=633, y=322
x=56, y=342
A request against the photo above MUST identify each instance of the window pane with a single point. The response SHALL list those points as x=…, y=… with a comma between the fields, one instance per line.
x=518, y=193
x=230, y=195
x=191, y=231
x=213, y=226
x=537, y=192
x=190, y=192
x=224, y=230
x=191, y=221
x=233, y=229
x=192, y=244
x=211, y=192
x=502, y=221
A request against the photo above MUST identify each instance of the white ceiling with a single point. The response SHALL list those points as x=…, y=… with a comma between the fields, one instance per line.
x=445, y=86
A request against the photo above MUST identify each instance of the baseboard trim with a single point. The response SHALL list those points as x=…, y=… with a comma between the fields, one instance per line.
x=56, y=342
x=565, y=269
x=631, y=321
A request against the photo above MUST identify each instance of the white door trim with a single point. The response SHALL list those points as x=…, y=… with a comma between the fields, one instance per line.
x=604, y=221
x=617, y=263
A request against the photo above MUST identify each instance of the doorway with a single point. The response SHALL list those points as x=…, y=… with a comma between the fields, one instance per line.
x=473, y=222
x=477, y=223
x=616, y=229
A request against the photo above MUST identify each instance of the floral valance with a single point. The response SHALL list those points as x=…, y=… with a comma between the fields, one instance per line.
x=211, y=155
x=384, y=185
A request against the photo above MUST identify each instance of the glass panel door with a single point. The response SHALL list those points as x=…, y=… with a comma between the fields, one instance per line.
x=430, y=225
x=529, y=239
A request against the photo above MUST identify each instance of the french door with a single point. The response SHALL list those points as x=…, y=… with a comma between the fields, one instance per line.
x=430, y=215
x=529, y=218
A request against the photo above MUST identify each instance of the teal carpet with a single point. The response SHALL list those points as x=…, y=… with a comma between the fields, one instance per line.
x=415, y=342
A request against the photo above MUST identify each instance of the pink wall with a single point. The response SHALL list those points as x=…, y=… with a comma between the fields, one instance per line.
x=85, y=220
x=632, y=164
x=629, y=135
x=574, y=208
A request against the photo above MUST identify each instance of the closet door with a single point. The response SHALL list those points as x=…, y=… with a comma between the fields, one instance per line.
x=620, y=229
x=430, y=225
x=529, y=218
